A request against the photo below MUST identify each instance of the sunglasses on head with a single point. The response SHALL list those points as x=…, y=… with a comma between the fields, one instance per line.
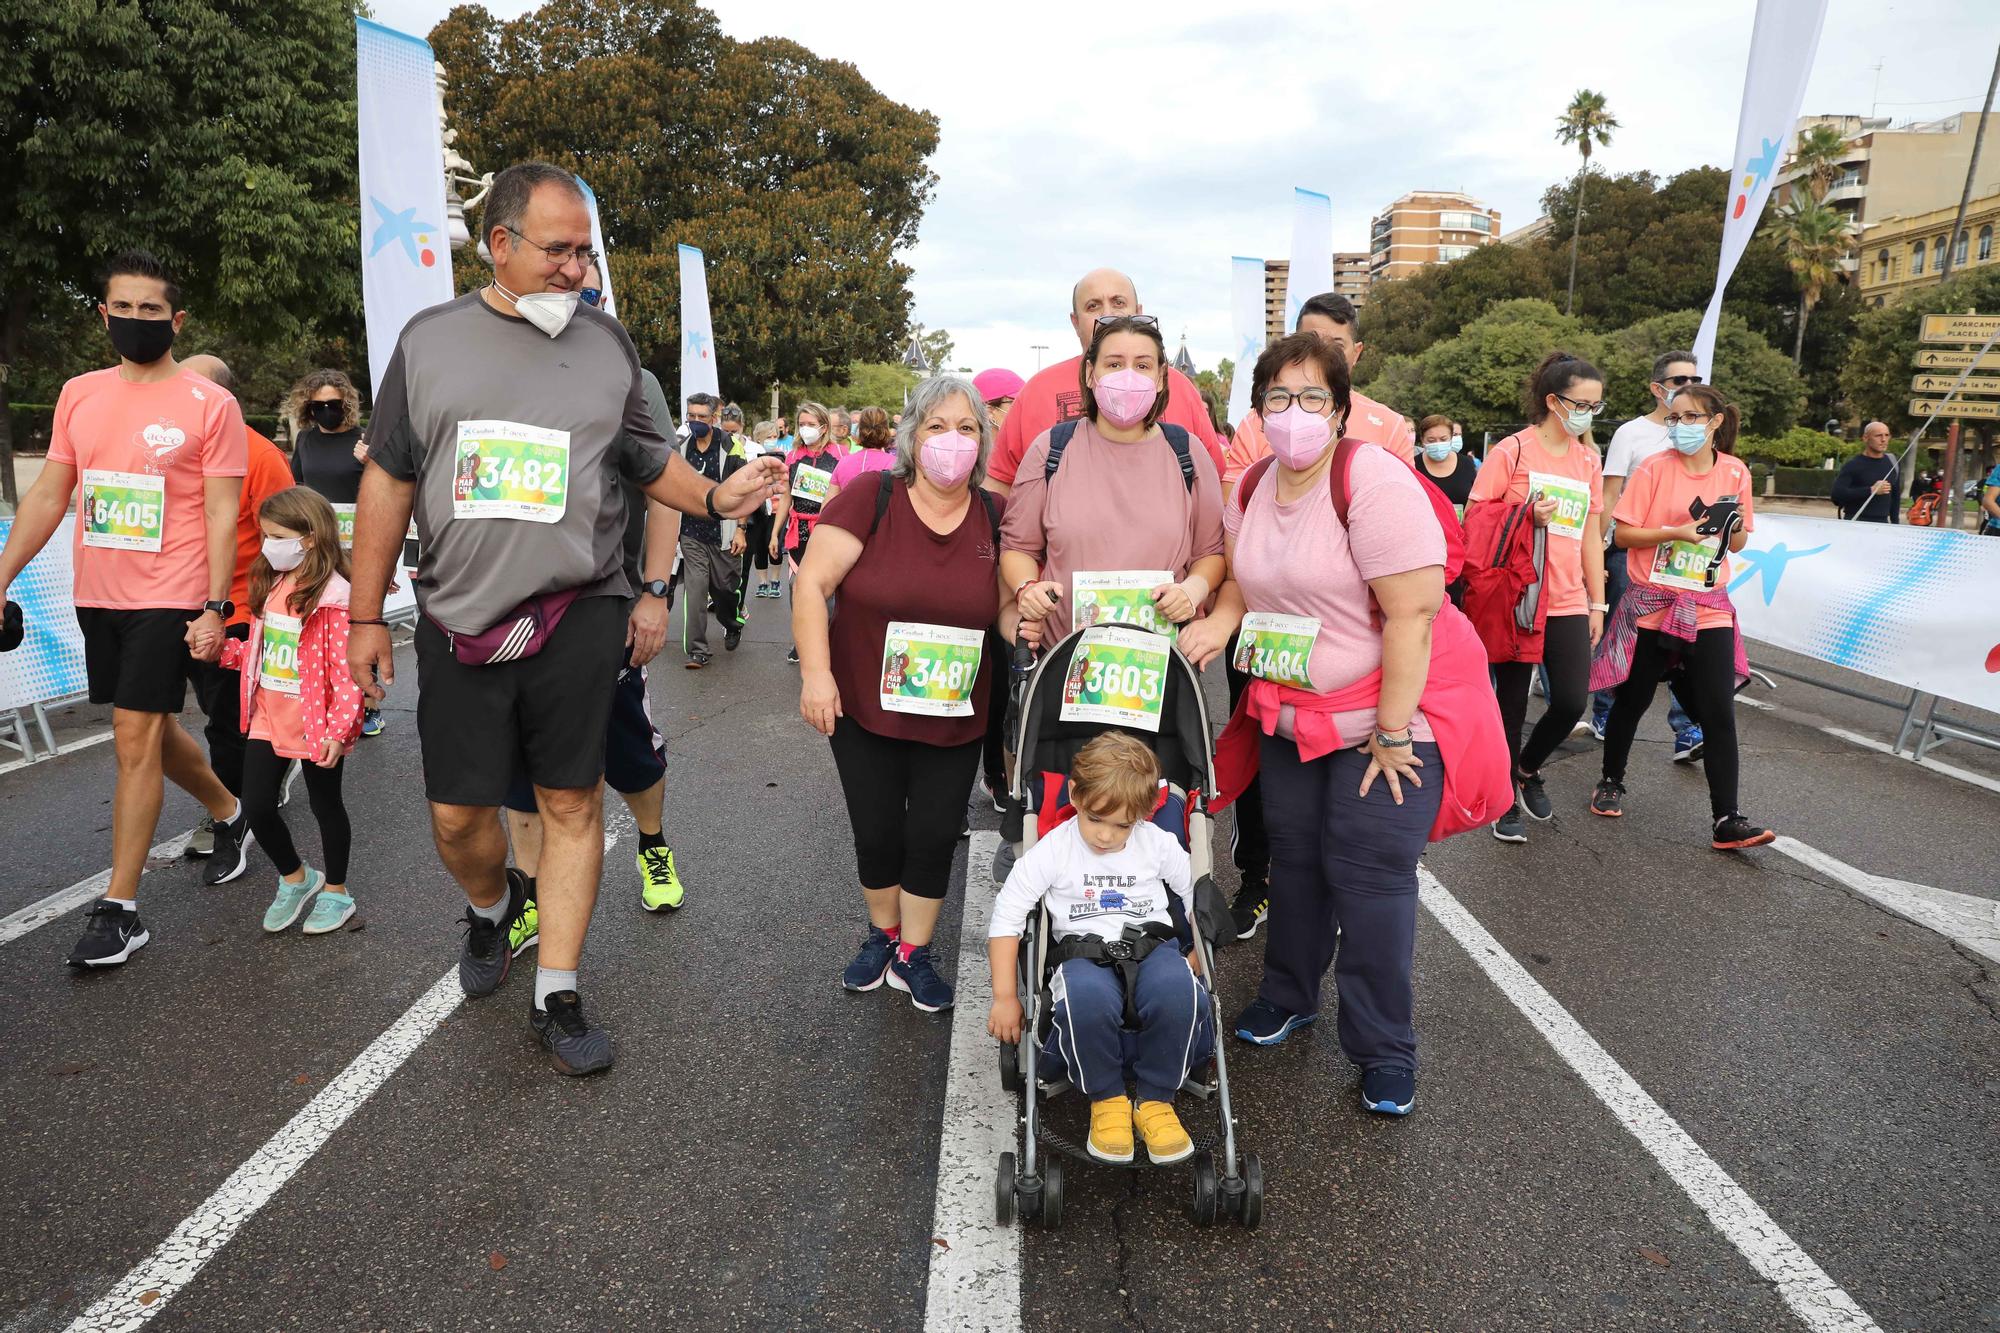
x=591, y=295
x=1127, y=321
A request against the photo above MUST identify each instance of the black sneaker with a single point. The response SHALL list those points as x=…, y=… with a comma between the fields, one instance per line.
x=1535, y=799
x=1608, y=800
x=1249, y=910
x=1733, y=833
x=231, y=856
x=916, y=977
x=576, y=1045
x=485, y=957
x=697, y=660
x=1389, y=1089
x=793, y=655
x=731, y=639
x=1508, y=828
x=996, y=788
x=110, y=936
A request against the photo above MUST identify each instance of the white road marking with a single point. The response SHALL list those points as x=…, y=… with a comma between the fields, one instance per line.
x=146, y=1290
x=1934, y=765
x=68, y=748
x=1815, y=1298
x=1758, y=704
x=58, y=904
x=1971, y=920
x=975, y=1280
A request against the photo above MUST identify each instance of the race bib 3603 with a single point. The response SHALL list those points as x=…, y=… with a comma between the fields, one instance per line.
x=1117, y=676
x=1277, y=648
x=122, y=511
x=504, y=469
x=1572, y=499
x=930, y=669
x=1119, y=597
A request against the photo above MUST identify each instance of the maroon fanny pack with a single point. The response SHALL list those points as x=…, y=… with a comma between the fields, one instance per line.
x=521, y=633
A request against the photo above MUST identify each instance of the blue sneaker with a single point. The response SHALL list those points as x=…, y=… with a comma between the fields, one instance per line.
x=872, y=963
x=916, y=977
x=1265, y=1024
x=291, y=900
x=1687, y=745
x=1388, y=1089
x=371, y=722
x=330, y=912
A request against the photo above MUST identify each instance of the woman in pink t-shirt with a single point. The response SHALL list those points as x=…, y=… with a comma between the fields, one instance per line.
x=1676, y=619
x=875, y=450
x=1553, y=460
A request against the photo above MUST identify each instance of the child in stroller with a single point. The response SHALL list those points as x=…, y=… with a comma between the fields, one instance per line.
x=1104, y=878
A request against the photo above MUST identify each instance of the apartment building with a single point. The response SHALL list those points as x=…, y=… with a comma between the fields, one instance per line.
x=1901, y=254
x=1900, y=171
x=1350, y=279
x=1427, y=227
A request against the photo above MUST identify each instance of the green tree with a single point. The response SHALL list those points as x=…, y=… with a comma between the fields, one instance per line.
x=219, y=136
x=1757, y=377
x=1478, y=377
x=937, y=347
x=1585, y=120
x=795, y=177
x=1814, y=238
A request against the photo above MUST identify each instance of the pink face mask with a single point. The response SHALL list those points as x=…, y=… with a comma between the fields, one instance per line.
x=1298, y=437
x=947, y=457
x=1125, y=396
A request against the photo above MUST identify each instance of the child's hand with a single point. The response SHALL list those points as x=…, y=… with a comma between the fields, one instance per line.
x=329, y=754
x=1194, y=961
x=1003, y=1020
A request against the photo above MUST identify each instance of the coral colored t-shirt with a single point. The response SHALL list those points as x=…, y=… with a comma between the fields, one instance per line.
x=1054, y=395
x=860, y=463
x=1297, y=560
x=268, y=473
x=1111, y=507
x=180, y=430
x=1658, y=495
x=1506, y=474
x=1367, y=420
x=274, y=715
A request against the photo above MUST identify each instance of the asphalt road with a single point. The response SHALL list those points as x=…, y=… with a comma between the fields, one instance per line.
x=765, y=1154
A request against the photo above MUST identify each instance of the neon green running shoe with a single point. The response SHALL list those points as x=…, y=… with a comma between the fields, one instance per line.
x=659, y=883
x=525, y=930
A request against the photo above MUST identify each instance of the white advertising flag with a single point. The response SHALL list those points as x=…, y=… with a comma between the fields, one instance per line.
x=405, y=255
x=1782, y=45
x=604, y=302
x=1312, y=252
x=1246, y=311
x=697, y=334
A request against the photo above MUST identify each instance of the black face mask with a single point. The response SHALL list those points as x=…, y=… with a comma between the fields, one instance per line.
x=140, y=341
x=328, y=416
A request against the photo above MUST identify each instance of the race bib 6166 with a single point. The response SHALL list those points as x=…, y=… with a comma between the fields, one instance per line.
x=504, y=469
x=1572, y=499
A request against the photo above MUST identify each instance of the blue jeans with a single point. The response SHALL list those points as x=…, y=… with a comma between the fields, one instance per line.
x=1087, y=1036
x=1617, y=578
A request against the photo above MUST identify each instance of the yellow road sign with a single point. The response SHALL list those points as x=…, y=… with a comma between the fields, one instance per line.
x=1969, y=409
x=1954, y=358
x=1940, y=383
x=1958, y=328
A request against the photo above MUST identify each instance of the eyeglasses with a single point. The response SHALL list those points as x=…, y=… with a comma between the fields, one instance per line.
x=561, y=253
x=1679, y=381
x=1688, y=418
x=1126, y=322
x=1592, y=408
x=591, y=295
x=1312, y=400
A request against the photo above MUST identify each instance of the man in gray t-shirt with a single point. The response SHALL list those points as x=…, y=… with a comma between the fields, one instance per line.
x=509, y=422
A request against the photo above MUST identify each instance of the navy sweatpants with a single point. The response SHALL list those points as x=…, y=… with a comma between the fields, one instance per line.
x=1344, y=874
x=1087, y=1037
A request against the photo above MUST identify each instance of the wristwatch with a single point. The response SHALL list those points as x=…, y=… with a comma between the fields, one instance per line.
x=654, y=588
x=709, y=501
x=225, y=609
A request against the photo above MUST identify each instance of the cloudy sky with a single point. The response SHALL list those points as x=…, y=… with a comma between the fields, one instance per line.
x=1165, y=139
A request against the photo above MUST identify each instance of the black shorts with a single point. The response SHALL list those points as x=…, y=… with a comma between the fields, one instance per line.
x=137, y=660
x=545, y=715
x=635, y=754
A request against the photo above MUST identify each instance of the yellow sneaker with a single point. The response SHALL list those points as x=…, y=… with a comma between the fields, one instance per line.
x=1111, y=1130
x=1166, y=1140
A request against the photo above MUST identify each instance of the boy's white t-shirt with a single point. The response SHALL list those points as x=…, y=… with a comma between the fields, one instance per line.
x=1095, y=893
x=1632, y=444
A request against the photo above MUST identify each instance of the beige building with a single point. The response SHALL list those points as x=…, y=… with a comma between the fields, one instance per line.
x=1899, y=171
x=1427, y=227
x=1350, y=279
x=1900, y=254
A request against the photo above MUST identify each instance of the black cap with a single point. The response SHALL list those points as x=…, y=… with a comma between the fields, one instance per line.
x=11, y=629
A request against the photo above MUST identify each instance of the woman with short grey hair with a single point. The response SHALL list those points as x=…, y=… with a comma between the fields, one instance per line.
x=899, y=678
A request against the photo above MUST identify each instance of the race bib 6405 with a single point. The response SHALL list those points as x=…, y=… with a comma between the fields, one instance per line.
x=504, y=469
x=930, y=669
x=122, y=511
x=1117, y=676
x=1572, y=499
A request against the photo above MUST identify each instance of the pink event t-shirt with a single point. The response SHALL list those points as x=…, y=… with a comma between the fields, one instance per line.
x=1295, y=559
x=1112, y=506
x=1506, y=473
x=182, y=430
x=1658, y=496
x=1054, y=395
x=860, y=463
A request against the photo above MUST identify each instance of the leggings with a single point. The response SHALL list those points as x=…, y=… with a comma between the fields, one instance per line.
x=757, y=541
x=264, y=778
x=1703, y=676
x=906, y=801
x=993, y=754
x=1566, y=653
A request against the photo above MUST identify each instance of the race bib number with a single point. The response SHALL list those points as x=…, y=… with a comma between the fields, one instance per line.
x=811, y=483
x=278, y=662
x=1277, y=648
x=930, y=669
x=1118, y=676
x=1685, y=564
x=343, y=518
x=1119, y=597
x=123, y=511
x=1572, y=499
x=504, y=469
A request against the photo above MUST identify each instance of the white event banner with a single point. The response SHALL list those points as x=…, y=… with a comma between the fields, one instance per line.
x=1783, y=42
x=1246, y=314
x=405, y=253
x=698, y=373
x=1888, y=600
x=605, y=302
x=48, y=662
x=1312, y=252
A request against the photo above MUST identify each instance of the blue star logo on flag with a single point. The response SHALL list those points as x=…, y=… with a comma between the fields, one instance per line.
x=403, y=226
x=697, y=341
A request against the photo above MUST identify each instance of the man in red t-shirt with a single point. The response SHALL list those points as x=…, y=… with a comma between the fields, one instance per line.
x=1056, y=394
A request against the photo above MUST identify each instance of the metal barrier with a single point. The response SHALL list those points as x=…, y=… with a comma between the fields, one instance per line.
x=1931, y=733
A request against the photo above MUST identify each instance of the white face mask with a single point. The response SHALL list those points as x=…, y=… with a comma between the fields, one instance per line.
x=809, y=435
x=548, y=311
x=284, y=554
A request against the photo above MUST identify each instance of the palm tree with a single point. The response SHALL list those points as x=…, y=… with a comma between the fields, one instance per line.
x=1584, y=122
x=1817, y=156
x=1814, y=238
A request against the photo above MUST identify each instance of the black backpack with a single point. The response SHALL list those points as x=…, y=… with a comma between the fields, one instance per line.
x=1061, y=433
x=885, y=487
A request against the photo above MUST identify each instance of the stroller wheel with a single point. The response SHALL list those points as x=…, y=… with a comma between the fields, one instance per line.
x=1052, y=1194
x=1003, y=1191
x=1010, y=1068
x=1253, y=1191
x=1202, y=1209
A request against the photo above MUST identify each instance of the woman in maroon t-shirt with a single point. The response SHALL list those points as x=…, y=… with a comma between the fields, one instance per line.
x=899, y=679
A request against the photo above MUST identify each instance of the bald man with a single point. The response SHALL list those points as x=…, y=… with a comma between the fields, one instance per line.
x=1869, y=488
x=1055, y=394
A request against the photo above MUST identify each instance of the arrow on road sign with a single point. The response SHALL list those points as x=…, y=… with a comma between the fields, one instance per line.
x=1962, y=408
x=1958, y=328
x=1941, y=358
x=1942, y=384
